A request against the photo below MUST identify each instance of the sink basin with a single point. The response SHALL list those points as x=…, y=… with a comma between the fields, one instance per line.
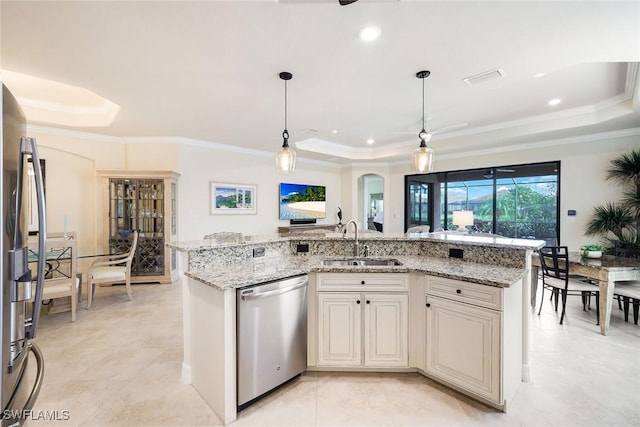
x=365, y=262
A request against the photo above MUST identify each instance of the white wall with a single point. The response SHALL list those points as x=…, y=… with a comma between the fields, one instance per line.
x=73, y=160
x=199, y=166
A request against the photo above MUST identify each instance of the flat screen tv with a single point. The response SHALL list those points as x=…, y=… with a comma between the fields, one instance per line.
x=301, y=201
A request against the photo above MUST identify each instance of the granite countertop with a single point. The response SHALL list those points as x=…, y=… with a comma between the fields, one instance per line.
x=262, y=270
x=444, y=237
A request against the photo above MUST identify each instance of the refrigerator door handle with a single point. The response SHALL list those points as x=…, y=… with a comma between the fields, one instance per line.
x=29, y=146
x=35, y=390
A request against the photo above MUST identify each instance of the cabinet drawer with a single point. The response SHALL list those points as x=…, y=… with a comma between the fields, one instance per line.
x=472, y=293
x=362, y=282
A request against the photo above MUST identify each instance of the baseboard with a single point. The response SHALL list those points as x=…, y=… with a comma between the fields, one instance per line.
x=186, y=373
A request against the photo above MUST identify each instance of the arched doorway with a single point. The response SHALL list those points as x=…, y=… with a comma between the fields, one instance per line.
x=371, y=201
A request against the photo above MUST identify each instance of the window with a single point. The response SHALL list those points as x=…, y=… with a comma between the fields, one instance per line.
x=520, y=201
x=419, y=193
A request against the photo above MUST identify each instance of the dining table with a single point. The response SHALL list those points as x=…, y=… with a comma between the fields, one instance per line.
x=606, y=270
x=61, y=253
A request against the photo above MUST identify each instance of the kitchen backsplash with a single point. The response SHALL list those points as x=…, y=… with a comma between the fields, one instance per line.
x=203, y=255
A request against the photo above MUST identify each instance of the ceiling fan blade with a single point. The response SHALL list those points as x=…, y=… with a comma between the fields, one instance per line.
x=449, y=128
x=346, y=2
x=434, y=132
x=489, y=173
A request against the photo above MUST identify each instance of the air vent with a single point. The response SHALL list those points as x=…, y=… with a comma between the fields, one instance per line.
x=485, y=77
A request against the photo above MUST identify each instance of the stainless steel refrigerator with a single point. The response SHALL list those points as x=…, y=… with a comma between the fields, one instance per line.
x=20, y=299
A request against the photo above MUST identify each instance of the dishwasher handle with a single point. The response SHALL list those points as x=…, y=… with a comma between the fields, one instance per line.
x=273, y=292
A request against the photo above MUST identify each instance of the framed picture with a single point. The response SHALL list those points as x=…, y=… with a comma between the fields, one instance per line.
x=232, y=198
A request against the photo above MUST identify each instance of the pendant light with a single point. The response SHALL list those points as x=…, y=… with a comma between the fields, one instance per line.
x=286, y=156
x=422, y=157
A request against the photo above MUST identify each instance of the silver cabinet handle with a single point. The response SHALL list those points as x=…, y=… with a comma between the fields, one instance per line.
x=274, y=292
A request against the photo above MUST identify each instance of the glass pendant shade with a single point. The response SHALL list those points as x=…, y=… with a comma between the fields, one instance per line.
x=422, y=159
x=286, y=159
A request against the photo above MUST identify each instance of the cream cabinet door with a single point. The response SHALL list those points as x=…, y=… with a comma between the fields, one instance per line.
x=386, y=331
x=339, y=329
x=463, y=346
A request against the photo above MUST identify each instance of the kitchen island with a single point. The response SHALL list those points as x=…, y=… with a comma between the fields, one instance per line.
x=491, y=280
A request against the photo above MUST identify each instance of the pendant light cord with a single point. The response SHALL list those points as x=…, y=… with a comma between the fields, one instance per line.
x=285, y=105
x=423, y=104
x=285, y=133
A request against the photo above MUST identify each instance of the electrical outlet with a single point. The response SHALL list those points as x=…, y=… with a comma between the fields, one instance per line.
x=456, y=253
x=258, y=252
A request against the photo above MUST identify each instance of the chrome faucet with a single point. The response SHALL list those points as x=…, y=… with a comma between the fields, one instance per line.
x=356, y=246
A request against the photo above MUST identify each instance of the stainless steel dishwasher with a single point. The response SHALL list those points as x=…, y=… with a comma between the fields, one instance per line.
x=271, y=335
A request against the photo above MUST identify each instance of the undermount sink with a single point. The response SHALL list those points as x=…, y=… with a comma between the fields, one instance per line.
x=365, y=262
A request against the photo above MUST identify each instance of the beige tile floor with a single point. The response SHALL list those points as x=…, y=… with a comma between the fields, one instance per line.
x=119, y=365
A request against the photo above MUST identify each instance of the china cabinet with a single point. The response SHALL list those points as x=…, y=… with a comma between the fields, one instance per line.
x=143, y=201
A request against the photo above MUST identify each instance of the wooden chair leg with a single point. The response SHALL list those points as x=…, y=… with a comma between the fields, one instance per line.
x=128, y=286
x=636, y=309
x=74, y=298
x=585, y=296
x=597, y=308
x=90, y=289
x=541, y=300
x=564, y=305
x=625, y=304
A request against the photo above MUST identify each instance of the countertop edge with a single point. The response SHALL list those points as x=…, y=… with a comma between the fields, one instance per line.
x=218, y=277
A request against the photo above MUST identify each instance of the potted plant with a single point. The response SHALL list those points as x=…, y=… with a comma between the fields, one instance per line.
x=620, y=221
x=591, y=251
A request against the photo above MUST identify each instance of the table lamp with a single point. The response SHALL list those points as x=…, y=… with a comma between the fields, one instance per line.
x=462, y=219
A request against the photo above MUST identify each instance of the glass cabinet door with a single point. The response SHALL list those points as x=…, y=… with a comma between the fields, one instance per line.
x=138, y=204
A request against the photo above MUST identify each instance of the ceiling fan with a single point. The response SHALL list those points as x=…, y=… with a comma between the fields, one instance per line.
x=432, y=132
x=490, y=172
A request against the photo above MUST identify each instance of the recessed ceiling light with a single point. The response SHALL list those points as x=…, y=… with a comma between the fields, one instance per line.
x=334, y=131
x=555, y=101
x=537, y=76
x=370, y=33
x=370, y=141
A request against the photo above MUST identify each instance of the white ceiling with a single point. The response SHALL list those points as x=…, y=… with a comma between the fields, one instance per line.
x=209, y=70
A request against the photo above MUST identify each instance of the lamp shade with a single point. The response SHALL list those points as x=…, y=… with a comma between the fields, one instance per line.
x=286, y=159
x=422, y=159
x=462, y=219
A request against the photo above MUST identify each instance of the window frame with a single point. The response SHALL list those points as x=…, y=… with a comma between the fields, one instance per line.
x=440, y=181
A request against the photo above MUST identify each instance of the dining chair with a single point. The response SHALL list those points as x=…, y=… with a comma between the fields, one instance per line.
x=112, y=269
x=628, y=290
x=61, y=279
x=554, y=261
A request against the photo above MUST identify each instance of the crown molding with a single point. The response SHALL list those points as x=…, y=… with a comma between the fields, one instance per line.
x=622, y=133
x=217, y=147
x=49, y=130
